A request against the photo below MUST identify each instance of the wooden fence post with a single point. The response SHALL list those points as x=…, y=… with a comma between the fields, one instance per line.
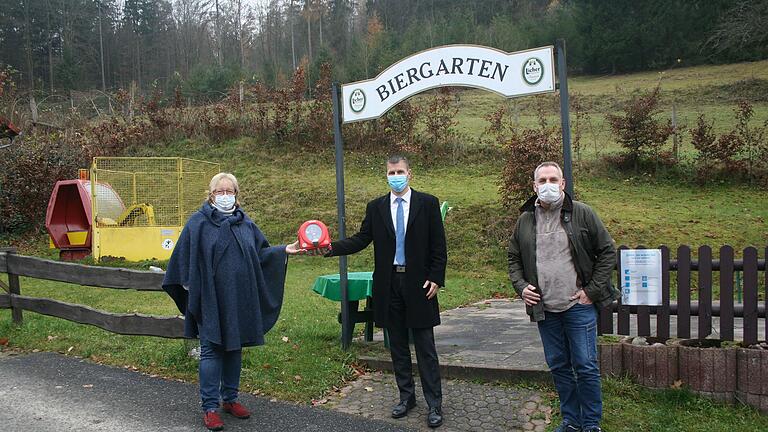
x=705, y=292
x=726, y=293
x=684, y=292
x=622, y=324
x=14, y=289
x=750, y=296
x=662, y=313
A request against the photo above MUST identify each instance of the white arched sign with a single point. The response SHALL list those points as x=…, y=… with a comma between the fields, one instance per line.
x=508, y=74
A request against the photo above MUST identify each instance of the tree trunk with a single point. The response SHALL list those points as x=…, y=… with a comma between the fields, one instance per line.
x=101, y=52
x=218, y=37
x=293, y=43
x=309, y=33
x=50, y=43
x=28, y=47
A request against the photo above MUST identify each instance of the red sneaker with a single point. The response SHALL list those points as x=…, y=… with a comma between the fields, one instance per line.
x=212, y=421
x=236, y=409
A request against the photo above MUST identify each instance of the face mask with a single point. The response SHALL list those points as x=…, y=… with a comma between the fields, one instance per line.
x=225, y=202
x=549, y=192
x=398, y=182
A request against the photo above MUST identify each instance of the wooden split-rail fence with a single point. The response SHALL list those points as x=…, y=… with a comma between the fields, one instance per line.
x=691, y=276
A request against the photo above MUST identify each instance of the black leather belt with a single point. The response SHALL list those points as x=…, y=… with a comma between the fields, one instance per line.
x=398, y=269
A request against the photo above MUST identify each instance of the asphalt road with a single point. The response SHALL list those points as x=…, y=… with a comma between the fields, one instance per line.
x=47, y=392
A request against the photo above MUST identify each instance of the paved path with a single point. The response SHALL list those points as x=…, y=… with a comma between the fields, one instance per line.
x=495, y=339
x=47, y=392
x=467, y=406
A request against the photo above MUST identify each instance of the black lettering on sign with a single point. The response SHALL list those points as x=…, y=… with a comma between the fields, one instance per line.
x=442, y=69
x=484, y=69
x=382, y=91
x=412, y=76
x=457, y=65
x=472, y=62
x=501, y=73
x=400, y=82
x=421, y=70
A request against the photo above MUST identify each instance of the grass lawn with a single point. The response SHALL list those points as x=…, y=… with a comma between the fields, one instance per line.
x=629, y=407
x=281, y=188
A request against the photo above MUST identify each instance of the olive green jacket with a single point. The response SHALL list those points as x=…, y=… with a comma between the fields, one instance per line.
x=592, y=249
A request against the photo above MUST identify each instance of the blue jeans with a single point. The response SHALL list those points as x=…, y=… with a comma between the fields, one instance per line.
x=570, y=347
x=219, y=374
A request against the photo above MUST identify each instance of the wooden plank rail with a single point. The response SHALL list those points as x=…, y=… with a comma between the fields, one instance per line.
x=693, y=309
x=105, y=277
x=751, y=310
x=125, y=324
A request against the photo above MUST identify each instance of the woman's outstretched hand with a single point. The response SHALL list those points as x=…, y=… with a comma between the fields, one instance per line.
x=294, y=249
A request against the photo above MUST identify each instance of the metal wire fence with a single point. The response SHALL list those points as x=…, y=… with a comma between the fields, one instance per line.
x=157, y=191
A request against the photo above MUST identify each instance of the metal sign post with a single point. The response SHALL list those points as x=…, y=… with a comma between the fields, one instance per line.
x=346, y=331
x=565, y=119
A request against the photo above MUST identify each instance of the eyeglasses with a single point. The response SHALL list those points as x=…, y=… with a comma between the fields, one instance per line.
x=223, y=192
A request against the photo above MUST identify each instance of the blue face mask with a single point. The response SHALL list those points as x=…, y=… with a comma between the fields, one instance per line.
x=225, y=202
x=398, y=183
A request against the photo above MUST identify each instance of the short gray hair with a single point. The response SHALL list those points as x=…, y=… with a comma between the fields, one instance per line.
x=397, y=158
x=215, y=182
x=221, y=176
x=547, y=164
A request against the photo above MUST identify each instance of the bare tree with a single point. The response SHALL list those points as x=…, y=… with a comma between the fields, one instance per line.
x=743, y=25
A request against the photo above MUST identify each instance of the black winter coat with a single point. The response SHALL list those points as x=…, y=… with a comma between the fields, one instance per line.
x=425, y=253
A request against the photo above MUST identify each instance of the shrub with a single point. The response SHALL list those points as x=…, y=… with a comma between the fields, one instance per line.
x=28, y=171
x=637, y=130
x=739, y=154
x=523, y=149
x=439, y=120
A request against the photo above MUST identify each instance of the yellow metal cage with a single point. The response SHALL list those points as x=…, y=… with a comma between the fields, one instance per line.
x=140, y=205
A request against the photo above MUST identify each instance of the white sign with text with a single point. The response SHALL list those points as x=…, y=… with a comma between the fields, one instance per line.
x=641, y=277
x=508, y=74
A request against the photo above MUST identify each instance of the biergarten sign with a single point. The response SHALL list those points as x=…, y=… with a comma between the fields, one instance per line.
x=508, y=74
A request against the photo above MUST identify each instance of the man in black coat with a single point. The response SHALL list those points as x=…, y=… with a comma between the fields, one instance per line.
x=406, y=228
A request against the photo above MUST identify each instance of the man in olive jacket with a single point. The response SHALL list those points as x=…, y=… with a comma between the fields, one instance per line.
x=561, y=259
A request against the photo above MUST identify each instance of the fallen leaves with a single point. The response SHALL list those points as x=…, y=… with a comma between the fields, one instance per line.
x=678, y=384
x=316, y=402
x=4, y=341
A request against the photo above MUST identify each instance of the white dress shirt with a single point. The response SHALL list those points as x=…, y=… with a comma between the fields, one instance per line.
x=393, y=209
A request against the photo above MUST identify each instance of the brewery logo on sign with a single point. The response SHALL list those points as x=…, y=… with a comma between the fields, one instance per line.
x=533, y=71
x=357, y=100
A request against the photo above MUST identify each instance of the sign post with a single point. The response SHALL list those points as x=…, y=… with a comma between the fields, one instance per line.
x=514, y=74
x=565, y=116
x=340, y=206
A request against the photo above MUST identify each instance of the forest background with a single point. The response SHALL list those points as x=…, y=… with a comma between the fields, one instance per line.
x=203, y=47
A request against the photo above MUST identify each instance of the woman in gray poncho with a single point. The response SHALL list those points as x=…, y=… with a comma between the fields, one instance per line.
x=228, y=282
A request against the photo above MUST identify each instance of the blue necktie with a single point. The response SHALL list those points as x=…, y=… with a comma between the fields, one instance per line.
x=400, y=233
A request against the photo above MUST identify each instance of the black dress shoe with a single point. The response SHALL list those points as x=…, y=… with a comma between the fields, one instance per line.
x=435, y=417
x=401, y=410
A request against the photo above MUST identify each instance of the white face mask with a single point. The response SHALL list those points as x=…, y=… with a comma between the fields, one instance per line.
x=225, y=202
x=548, y=192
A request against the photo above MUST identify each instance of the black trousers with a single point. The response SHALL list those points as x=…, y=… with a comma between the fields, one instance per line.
x=426, y=354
